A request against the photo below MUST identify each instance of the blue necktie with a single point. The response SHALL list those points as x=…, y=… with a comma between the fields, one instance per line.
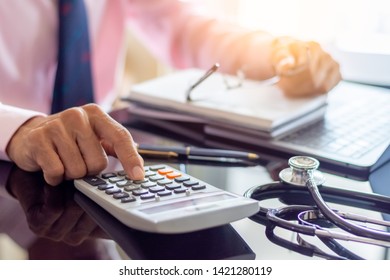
x=73, y=83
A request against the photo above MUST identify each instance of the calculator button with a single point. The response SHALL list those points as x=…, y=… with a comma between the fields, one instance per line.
x=140, y=192
x=140, y=181
x=94, y=181
x=173, y=175
x=148, y=185
x=108, y=175
x=190, y=183
x=164, y=182
x=122, y=173
x=156, y=178
x=180, y=190
x=115, y=179
x=156, y=189
x=113, y=190
x=164, y=193
x=147, y=196
x=165, y=171
x=128, y=199
x=132, y=188
x=173, y=186
x=182, y=179
x=199, y=187
x=120, y=195
x=149, y=173
x=105, y=187
x=156, y=167
x=124, y=183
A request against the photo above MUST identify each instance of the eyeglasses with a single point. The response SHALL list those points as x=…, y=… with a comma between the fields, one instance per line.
x=229, y=83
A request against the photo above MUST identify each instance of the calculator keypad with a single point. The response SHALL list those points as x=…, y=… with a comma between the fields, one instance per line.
x=160, y=182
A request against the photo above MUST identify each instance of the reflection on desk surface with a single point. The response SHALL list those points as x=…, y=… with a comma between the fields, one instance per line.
x=47, y=223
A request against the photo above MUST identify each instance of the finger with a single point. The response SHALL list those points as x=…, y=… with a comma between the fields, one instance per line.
x=91, y=151
x=285, y=64
x=52, y=168
x=291, y=58
x=119, y=139
x=69, y=152
x=325, y=71
x=332, y=78
x=301, y=52
x=46, y=157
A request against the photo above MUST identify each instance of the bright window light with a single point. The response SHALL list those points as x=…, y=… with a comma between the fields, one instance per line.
x=321, y=20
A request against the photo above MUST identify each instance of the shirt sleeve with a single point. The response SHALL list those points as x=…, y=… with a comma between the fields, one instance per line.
x=5, y=170
x=11, y=118
x=183, y=36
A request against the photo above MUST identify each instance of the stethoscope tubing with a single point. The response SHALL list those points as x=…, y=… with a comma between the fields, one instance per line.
x=277, y=189
x=341, y=222
x=353, y=198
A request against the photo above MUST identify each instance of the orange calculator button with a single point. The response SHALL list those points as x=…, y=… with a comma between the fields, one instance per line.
x=173, y=175
x=165, y=171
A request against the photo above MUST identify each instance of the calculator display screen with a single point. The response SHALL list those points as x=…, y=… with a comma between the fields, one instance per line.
x=186, y=203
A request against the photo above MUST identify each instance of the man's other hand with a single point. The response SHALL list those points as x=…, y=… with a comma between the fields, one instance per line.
x=304, y=68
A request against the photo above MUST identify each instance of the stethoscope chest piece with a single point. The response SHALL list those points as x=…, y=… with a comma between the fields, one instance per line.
x=301, y=167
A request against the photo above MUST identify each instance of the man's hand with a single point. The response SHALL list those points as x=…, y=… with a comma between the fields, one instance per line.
x=304, y=68
x=72, y=144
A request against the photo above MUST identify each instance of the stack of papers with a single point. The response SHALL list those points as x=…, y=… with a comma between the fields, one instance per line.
x=255, y=108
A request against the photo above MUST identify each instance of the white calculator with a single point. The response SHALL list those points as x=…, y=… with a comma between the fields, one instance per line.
x=166, y=201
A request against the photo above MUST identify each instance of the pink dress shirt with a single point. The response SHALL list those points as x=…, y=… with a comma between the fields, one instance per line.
x=172, y=29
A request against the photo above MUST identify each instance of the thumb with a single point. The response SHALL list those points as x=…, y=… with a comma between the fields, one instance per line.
x=289, y=57
x=285, y=65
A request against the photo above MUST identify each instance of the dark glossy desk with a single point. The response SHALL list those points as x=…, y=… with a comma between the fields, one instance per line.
x=59, y=223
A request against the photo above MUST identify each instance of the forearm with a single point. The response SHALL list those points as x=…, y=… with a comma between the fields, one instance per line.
x=183, y=38
x=234, y=48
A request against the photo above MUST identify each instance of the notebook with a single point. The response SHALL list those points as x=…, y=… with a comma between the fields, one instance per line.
x=253, y=105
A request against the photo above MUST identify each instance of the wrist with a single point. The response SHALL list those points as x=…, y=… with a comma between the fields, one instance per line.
x=258, y=63
x=16, y=143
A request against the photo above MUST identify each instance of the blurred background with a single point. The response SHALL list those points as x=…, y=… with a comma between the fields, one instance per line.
x=356, y=32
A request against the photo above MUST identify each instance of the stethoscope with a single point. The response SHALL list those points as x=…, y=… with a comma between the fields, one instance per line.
x=302, y=182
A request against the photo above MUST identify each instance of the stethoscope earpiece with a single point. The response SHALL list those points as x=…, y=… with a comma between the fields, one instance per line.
x=300, y=169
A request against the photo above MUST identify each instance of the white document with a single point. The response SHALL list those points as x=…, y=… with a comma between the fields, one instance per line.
x=254, y=105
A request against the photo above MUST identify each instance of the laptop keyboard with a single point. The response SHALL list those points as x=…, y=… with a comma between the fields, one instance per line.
x=349, y=131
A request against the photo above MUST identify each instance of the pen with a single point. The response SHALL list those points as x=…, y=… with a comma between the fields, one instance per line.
x=186, y=152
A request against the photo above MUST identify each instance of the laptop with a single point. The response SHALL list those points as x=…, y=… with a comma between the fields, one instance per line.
x=351, y=140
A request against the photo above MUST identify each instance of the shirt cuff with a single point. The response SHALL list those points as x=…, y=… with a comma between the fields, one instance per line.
x=11, y=118
x=5, y=171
